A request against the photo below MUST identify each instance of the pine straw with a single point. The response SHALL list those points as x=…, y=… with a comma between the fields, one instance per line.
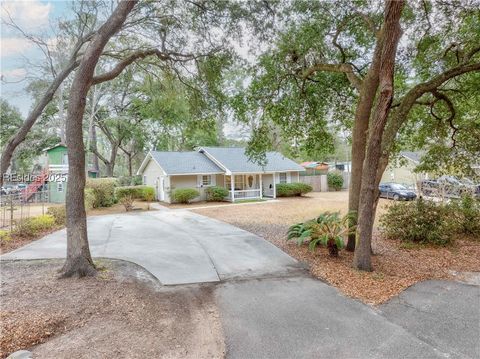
x=395, y=267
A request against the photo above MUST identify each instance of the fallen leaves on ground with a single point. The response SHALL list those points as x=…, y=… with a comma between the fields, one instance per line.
x=111, y=315
x=395, y=268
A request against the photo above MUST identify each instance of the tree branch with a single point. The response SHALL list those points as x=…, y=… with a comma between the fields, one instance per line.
x=347, y=69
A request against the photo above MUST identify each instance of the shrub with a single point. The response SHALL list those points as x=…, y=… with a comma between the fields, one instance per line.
x=418, y=221
x=184, y=195
x=148, y=193
x=144, y=193
x=465, y=215
x=126, y=195
x=328, y=230
x=216, y=193
x=335, y=180
x=103, y=190
x=127, y=202
x=292, y=189
x=89, y=198
x=30, y=227
x=130, y=181
x=5, y=236
x=59, y=214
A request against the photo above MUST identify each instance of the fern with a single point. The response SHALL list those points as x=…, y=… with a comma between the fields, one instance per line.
x=327, y=230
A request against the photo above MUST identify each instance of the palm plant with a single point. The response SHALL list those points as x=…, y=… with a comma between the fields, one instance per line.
x=328, y=230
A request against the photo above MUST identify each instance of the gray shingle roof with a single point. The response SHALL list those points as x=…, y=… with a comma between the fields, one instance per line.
x=412, y=156
x=235, y=160
x=185, y=162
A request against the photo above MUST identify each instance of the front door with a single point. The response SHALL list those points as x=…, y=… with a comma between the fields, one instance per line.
x=161, y=189
x=251, y=181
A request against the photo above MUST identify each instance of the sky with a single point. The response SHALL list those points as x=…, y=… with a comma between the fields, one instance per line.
x=34, y=17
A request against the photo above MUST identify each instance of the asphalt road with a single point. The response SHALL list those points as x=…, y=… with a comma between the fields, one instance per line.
x=300, y=317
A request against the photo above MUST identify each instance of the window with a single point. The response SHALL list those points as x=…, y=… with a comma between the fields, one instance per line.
x=59, y=186
x=206, y=180
x=144, y=179
x=65, y=159
x=238, y=182
x=283, y=177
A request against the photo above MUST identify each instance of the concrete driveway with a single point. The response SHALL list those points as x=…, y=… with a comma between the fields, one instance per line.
x=177, y=247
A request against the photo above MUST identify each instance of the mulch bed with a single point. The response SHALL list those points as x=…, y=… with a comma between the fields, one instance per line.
x=112, y=315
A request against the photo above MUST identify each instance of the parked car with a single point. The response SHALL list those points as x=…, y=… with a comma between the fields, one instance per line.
x=3, y=190
x=21, y=186
x=447, y=186
x=396, y=192
x=9, y=189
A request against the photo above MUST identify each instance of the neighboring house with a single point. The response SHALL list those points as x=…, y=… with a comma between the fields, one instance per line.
x=402, y=170
x=53, y=177
x=217, y=166
x=315, y=168
x=57, y=168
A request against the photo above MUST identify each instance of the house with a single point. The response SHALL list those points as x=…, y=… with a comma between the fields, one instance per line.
x=403, y=170
x=217, y=166
x=53, y=177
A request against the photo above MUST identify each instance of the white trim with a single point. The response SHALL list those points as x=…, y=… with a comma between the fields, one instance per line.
x=144, y=164
x=269, y=172
x=261, y=186
x=274, y=185
x=196, y=174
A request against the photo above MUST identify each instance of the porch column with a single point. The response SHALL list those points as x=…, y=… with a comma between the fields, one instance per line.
x=274, y=185
x=261, y=187
x=232, y=186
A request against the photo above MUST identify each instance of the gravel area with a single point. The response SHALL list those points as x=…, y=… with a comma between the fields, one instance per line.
x=395, y=267
x=121, y=313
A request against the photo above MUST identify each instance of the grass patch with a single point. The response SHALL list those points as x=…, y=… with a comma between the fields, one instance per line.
x=249, y=200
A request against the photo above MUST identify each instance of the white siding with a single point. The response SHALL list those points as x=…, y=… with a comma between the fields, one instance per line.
x=151, y=175
x=188, y=181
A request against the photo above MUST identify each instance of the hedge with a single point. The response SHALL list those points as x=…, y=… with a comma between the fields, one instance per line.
x=59, y=214
x=292, y=189
x=103, y=190
x=184, y=195
x=216, y=193
x=144, y=193
x=32, y=226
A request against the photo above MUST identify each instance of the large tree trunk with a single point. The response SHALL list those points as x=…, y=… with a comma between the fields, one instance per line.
x=79, y=261
x=392, y=33
x=359, y=136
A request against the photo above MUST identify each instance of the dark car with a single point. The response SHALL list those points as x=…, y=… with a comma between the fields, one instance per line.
x=396, y=192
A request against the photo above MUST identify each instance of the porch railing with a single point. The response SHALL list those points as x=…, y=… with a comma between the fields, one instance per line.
x=245, y=194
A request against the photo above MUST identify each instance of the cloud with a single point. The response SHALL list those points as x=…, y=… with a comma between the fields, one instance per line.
x=29, y=15
x=14, y=46
x=14, y=74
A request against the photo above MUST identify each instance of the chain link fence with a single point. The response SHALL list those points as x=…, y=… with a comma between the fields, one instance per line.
x=444, y=191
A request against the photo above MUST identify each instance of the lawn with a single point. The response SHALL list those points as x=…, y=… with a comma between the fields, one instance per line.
x=396, y=266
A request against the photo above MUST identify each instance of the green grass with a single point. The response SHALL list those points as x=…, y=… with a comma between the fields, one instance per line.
x=250, y=200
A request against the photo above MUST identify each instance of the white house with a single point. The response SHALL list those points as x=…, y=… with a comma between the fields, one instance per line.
x=217, y=166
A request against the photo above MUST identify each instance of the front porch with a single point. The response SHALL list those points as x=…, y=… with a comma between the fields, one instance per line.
x=250, y=186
